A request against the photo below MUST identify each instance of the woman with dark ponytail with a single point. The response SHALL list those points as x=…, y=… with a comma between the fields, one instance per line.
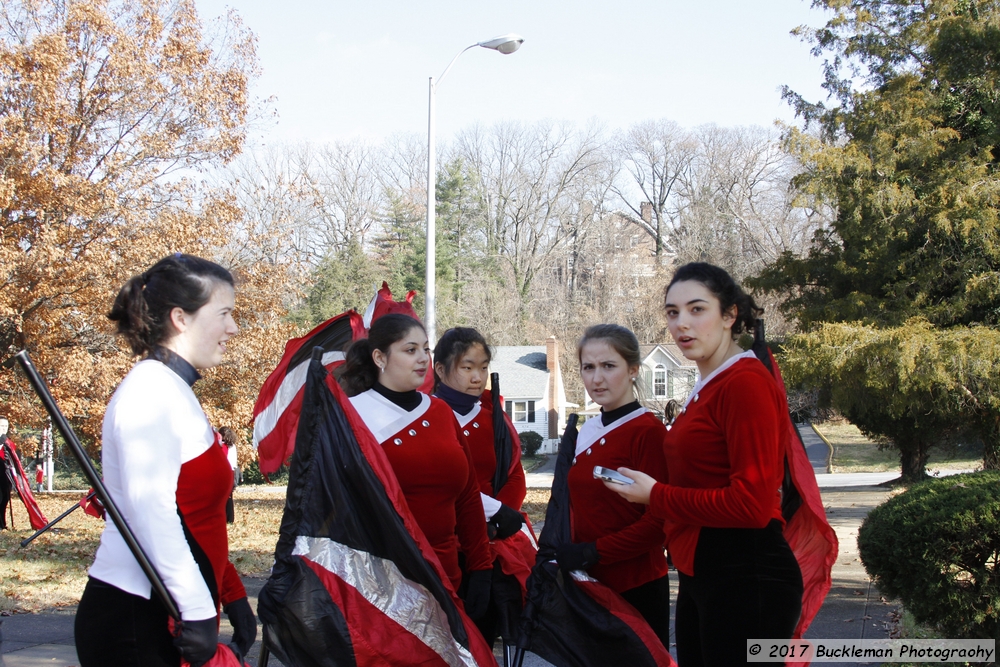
x=721, y=504
x=167, y=471
x=461, y=369
x=425, y=447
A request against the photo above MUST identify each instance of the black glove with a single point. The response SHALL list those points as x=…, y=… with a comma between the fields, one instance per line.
x=506, y=521
x=573, y=556
x=477, y=594
x=198, y=640
x=244, y=624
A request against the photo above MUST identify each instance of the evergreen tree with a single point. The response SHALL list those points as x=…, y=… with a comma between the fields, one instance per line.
x=908, y=158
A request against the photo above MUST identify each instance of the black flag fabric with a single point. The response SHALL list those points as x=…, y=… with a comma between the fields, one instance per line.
x=355, y=582
x=572, y=620
x=503, y=444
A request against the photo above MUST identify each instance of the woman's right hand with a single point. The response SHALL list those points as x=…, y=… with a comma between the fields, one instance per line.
x=638, y=492
x=198, y=640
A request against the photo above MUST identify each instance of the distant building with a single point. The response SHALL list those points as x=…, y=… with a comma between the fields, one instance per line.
x=532, y=387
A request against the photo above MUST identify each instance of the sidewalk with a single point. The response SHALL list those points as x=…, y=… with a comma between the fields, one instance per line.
x=852, y=610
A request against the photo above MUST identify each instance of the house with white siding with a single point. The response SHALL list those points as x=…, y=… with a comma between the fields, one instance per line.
x=532, y=387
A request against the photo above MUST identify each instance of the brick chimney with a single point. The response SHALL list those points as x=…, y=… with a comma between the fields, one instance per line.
x=646, y=211
x=552, y=365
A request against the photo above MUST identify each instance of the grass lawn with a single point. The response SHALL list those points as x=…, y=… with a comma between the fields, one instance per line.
x=52, y=570
x=854, y=452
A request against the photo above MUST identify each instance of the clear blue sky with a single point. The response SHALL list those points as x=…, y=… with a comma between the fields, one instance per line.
x=359, y=69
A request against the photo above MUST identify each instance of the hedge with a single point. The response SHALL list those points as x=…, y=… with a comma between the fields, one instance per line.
x=936, y=547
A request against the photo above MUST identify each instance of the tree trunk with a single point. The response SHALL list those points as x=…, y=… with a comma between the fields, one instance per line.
x=913, y=460
x=991, y=447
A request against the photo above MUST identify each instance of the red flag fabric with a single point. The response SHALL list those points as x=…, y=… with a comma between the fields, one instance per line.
x=15, y=473
x=355, y=582
x=807, y=531
x=383, y=304
x=223, y=658
x=91, y=505
x=276, y=412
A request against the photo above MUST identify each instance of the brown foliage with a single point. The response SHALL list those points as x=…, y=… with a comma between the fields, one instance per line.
x=109, y=111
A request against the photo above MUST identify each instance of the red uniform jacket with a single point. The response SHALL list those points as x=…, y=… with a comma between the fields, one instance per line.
x=477, y=427
x=431, y=460
x=724, y=457
x=629, y=538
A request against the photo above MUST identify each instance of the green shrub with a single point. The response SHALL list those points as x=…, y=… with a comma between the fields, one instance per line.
x=252, y=475
x=936, y=547
x=531, y=442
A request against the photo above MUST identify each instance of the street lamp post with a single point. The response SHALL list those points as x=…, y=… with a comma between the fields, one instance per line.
x=505, y=44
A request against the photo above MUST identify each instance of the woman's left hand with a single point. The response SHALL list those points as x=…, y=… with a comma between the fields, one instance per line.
x=634, y=493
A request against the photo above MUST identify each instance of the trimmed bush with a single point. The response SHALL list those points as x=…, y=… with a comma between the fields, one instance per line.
x=531, y=442
x=936, y=547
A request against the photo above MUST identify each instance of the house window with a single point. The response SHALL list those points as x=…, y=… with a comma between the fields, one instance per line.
x=521, y=411
x=660, y=381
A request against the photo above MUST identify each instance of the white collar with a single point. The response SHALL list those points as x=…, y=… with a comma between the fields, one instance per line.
x=701, y=382
x=383, y=417
x=466, y=418
x=594, y=429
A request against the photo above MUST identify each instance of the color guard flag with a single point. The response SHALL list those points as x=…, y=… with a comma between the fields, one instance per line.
x=14, y=473
x=276, y=412
x=574, y=620
x=355, y=582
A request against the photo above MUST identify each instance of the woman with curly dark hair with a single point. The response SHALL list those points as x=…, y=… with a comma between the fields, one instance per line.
x=721, y=503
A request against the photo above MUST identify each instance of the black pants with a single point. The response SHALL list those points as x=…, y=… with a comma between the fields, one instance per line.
x=4, y=495
x=113, y=627
x=652, y=600
x=746, y=584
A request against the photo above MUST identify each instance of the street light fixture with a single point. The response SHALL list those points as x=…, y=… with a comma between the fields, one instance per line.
x=505, y=44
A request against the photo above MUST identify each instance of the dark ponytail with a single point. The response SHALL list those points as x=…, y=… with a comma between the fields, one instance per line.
x=452, y=345
x=725, y=289
x=142, y=307
x=359, y=372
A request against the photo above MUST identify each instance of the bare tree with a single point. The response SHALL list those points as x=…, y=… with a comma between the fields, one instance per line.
x=344, y=182
x=531, y=179
x=655, y=159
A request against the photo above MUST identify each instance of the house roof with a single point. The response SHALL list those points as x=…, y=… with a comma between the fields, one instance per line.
x=670, y=349
x=522, y=369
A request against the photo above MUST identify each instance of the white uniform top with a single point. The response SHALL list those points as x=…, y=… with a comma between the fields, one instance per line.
x=153, y=424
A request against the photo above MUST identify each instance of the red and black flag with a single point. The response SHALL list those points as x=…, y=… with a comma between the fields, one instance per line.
x=807, y=531
x=355, y=582
x=572, y=620
x=15, y=478
x=276, y=412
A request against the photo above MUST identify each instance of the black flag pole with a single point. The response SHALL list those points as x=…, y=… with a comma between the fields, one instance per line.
x=28, y=540
x=95, y=481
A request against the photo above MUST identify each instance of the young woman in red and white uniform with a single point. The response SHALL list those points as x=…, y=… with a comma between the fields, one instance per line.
x=461, y=368
x=619, y=543
x=425, y=447
x=721, y=503
x=165, y=468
